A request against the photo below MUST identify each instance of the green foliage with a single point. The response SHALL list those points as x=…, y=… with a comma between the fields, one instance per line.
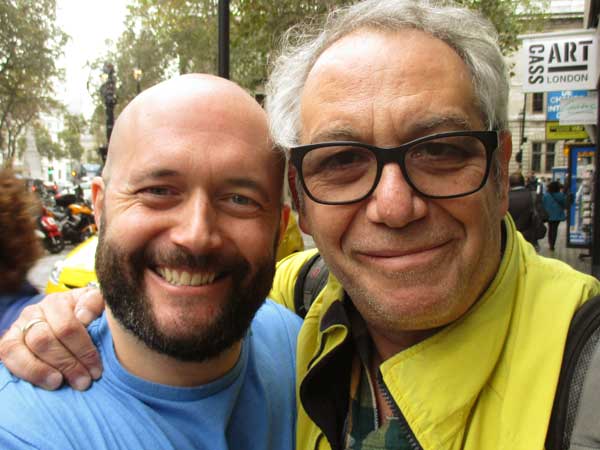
x=70, y=136
x=30, y=44
x=511, y=18
x=21, y=146
x=165, y=38
x=46, y=146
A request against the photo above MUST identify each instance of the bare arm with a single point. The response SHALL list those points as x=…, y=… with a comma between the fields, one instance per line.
x=56, y=343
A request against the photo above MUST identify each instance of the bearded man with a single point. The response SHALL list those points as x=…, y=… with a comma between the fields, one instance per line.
x=190, y=209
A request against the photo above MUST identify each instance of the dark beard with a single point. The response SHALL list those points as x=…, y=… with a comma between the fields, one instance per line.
x=121, y=281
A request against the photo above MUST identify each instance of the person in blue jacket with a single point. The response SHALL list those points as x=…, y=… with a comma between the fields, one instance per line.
x=555, y=204
x=19, y=247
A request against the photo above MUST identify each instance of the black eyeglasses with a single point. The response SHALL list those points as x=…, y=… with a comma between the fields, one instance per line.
x=444, y=165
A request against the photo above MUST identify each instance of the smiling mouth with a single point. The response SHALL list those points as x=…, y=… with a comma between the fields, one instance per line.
x=179, y=277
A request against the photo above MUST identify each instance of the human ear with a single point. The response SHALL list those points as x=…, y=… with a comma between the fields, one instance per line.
x=98, y=190
x=505, y=149
x=283, y=222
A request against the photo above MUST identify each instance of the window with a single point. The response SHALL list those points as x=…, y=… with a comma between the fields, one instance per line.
x=550, y=151
x=537, y=102
x=536, y=156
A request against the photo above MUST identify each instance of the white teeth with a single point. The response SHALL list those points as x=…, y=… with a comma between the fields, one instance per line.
x=185, y=278
x=197, y=279
x=174, y=278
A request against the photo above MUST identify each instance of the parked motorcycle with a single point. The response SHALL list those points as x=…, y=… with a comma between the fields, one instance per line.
x=75, y=218
x=49, y=232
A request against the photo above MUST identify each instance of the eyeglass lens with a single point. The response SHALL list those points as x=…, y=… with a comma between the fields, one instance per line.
x=441, y=167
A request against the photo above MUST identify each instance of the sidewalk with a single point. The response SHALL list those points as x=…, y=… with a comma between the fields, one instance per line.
x=571, y=256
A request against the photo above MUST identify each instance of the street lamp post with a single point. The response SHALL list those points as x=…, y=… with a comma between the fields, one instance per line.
x=109, y=95
x=137, y=76
x=224, y=38
x=108, y=91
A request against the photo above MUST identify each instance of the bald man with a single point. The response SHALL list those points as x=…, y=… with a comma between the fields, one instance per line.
x=189, y=209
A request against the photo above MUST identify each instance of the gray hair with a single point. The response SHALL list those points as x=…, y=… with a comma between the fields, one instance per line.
x=468, y=33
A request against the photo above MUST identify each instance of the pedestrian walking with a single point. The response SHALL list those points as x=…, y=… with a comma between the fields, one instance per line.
x=555, y=204
x=526, y=210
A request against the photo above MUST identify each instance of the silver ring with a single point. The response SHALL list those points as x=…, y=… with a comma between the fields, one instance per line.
x=29, y=325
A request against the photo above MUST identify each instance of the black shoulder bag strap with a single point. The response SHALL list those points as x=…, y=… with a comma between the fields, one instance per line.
x=312, y=278
x=575, y=420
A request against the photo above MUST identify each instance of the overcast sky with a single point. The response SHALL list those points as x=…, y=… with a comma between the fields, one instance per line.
x=89, y=23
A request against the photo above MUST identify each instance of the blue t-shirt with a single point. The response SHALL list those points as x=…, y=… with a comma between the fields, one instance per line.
x=250, y=407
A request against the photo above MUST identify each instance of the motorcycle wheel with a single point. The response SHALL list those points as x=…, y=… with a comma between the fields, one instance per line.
x=55, y=244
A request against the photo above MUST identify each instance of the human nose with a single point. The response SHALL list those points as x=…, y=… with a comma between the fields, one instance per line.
x=394, y=202
x=197, y=228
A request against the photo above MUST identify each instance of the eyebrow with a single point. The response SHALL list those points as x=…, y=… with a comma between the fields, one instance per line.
x=455, y=121
x=342, y=133
x=233, y=182
x=156, y=174
x=345, y=133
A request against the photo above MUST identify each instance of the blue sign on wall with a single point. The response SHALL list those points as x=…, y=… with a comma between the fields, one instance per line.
x=579, y=184
x=553, y=102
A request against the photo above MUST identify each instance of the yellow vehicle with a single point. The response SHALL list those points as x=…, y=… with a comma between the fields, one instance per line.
x=77, y=269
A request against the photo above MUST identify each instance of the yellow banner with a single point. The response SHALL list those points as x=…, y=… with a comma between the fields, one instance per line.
x=556, y=132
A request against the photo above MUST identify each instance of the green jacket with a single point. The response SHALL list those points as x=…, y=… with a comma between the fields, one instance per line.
x=486, y=381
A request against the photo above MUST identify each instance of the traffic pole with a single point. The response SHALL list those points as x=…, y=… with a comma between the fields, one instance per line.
x=224, y=38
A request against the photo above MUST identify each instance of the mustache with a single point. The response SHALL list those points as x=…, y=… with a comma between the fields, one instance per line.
x=178, y=257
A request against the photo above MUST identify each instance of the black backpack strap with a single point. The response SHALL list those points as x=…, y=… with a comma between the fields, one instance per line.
x=576, y=411
x=312, y=278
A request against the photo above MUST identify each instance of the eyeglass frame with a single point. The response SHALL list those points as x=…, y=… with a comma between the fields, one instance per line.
x=386, y=155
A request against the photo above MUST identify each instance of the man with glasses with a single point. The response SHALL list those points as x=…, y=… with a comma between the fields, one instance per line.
x=439, y=326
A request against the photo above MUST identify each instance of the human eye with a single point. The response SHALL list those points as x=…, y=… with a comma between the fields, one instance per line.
x=439, y=151
x=242, y=200
x=241, y=204
x=158, y=196
x=158, y=191
x=447, y=152
x=327, y=160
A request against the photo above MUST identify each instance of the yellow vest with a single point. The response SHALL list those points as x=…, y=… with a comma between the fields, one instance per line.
x=291, y=241
x=484, y=382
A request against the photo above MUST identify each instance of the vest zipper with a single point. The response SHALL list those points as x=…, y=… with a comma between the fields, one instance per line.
x=412, y=439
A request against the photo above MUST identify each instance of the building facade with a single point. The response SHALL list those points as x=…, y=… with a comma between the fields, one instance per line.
x=534, y=150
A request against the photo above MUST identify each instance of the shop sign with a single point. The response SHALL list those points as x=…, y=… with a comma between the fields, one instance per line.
x=554, y=99
x=557, y=132
x=560, y=61
x=579, y=110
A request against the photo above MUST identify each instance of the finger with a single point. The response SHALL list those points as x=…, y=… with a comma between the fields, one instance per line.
x=22, y=363
x=89, y=306
x=79, y=359
x=42, y=341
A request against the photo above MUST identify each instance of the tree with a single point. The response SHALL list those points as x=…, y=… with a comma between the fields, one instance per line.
x=70, y=136
x=180, y=36
x=44, y=143
x=511, y=18
x=30, y=44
